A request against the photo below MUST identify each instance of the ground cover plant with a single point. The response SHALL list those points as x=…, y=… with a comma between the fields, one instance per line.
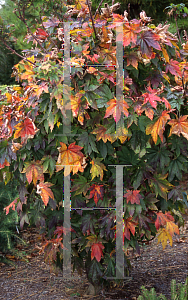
x=145, y=128
x=179, y=292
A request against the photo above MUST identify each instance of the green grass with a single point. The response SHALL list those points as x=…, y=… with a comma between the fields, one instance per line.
x=3, y=88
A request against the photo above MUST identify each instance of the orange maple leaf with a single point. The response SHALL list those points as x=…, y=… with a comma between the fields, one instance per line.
x=78, y=106
x=162, y=219
x=130, y=31
x=6, y=163
x=132, y=59
x=28, y=74
x=45, y=192
x=179, y=126
x=133, y=196
x=96, y=251
x=115, y=109
x=70, y=157
x=129, y=227
x=158, y=127
x=43, y=87
x=34, y=171
x=100, y=132
x=11, y=205
x=25, y=129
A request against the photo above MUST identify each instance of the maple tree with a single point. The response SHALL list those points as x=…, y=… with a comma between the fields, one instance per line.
x=147, y=131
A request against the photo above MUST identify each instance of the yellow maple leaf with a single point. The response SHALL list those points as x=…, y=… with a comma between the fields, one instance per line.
x=97, y=168
x=100, y=131
x=172, y=228
x=165, y=54
x=163, y=236
x=122, y=134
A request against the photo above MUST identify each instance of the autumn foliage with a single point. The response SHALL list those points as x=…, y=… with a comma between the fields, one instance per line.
x=147, y=130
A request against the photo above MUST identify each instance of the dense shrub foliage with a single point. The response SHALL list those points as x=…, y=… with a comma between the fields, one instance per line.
x=8, y=223
x=146, y=129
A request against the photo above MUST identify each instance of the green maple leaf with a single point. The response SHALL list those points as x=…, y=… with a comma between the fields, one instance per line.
x=161, y=185
x=88, y=142
x=80, y=185
x=176, y=167
x=160, y=157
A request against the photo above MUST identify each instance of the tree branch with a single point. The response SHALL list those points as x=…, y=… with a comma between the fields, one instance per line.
x=13, y=51
x=98, y=8
x=29, y=30
x=92, y=19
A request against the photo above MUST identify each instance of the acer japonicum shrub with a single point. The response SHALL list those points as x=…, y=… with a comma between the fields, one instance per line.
x=147, y=130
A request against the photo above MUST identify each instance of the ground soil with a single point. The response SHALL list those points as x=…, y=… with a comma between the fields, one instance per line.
x=29, y=278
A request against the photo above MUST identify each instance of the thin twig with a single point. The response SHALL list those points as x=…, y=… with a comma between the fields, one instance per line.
x=92, y=19
x=129, y=11
x=45, y=30
x=98, y=8
x=177, y=30
x=13, y=51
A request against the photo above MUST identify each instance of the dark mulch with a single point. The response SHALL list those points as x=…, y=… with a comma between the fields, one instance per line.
x=30, y=278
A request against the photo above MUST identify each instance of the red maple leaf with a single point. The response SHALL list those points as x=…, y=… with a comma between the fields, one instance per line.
x=133, y=196
x=147, y=41
x=96, y=191
x=96, y=251
x=151, y=97
x=60, y=230
x=162, y=219
x=173, y=68
x=41, y=34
